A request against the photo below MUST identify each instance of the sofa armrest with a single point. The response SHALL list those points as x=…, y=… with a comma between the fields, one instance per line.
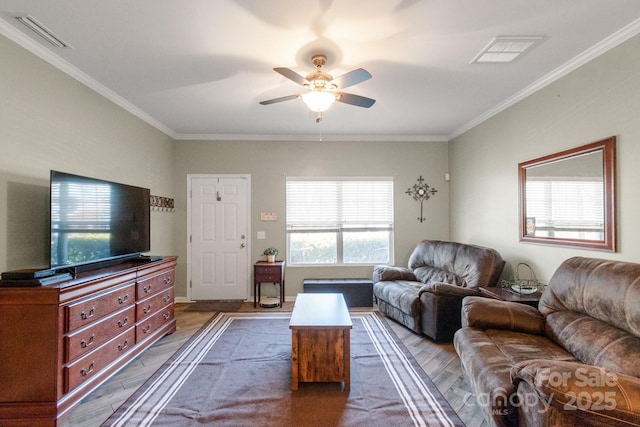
x=383, y=273
x=487, y=313
x=580, y=390
x=448, y=289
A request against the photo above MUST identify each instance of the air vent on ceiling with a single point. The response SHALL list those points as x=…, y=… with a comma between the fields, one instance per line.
x=505, y=49
x=31, y=23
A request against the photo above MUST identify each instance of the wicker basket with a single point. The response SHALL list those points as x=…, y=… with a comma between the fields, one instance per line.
x=525, y=284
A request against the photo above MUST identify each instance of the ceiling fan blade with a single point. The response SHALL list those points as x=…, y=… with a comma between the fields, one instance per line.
x=357, y=100
x=291, y=75
x=282, y=98
x=351, y=78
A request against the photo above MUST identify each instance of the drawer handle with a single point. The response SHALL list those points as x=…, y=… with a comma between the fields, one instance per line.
x=84, y=372
x=86, y=316
x=124, y=345
x=146, y=309
x=167, y=315
x=147, y=289
x=167, y=298
x=121, y=323
x=85, y=343
x=167, y=280
x=146, y=329
x=122, y=300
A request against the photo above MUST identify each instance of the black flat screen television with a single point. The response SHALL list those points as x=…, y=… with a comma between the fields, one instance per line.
x=95, y=221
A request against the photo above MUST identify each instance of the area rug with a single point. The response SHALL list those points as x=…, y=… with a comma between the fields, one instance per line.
x=236, y=371
x=221, y=306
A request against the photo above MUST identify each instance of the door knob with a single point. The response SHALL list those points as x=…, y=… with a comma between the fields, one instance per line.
x=242, y=245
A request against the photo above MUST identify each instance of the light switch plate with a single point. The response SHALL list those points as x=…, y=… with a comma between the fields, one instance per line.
x=261, y=235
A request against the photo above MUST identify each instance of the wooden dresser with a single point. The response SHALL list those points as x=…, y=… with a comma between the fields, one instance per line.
x=59, y=342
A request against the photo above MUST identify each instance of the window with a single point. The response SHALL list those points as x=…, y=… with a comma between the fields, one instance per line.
x=81, y=221
x=566, y=208
x=333, y=221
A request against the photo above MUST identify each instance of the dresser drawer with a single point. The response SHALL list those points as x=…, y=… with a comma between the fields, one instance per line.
x=85, y=368
x=148, y=326
x=89, y=310
x=267, y=278
x=151, y=305
x=82, y=341
x=267, y=270
x=150, y=285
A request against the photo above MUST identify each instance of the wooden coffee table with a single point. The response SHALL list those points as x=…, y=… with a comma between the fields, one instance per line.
x=320, y=340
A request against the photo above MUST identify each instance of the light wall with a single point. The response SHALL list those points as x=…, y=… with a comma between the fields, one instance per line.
x=598, y=100
x=49, y=120
x=270, y=162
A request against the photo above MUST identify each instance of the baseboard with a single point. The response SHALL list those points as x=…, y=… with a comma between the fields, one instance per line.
x=185, y=300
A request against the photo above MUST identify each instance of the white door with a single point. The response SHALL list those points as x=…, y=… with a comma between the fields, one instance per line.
x=219, y=258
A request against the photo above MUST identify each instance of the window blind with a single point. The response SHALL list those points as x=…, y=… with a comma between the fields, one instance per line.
x=74, y=214
x=561, y=203
x=344, y=203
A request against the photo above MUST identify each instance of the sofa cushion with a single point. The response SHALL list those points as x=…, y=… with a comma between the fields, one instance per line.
x=487, y=357
x=399, y=299
x=591, y=309
x=402, y=294
x=603, y=289
x=487, y=313
x=428, y=275
x=464, y=265
x=385, y=273
x=595, y=342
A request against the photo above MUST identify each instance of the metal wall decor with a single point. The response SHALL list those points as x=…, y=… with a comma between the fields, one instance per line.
x=162, y=204
x=421, y=192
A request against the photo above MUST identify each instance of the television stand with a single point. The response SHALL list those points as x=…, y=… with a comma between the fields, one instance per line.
x=61, y=341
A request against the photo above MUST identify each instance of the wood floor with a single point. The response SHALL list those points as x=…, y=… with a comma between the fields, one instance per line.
x=439, y=361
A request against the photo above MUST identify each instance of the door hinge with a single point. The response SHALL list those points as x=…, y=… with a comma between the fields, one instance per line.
x=190, y=284
x=190, y=239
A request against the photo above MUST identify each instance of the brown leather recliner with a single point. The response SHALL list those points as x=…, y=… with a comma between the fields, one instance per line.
x=575, y=362
x=427, y=296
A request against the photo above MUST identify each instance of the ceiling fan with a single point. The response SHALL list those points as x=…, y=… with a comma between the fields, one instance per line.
x=323, y=88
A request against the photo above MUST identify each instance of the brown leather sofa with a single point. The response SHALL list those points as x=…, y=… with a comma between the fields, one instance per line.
x=427, y=296
x=575, y=362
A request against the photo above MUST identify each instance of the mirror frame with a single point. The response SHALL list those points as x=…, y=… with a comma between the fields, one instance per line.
x=608, y=148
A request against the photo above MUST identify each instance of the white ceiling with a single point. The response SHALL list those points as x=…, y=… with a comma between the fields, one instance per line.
x=196, y=69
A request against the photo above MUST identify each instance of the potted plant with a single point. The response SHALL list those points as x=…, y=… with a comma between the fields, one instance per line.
x=271, y=254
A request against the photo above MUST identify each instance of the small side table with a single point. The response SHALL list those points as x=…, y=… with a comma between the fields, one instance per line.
x=504, y=294
x=267, y=272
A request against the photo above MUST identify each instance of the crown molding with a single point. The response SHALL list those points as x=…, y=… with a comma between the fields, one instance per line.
x=311, y=138
x=593, y=52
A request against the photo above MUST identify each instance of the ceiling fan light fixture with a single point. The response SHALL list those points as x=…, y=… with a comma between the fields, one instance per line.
x=322, y=88
x=318, y=101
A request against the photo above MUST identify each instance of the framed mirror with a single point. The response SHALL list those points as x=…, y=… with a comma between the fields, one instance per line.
x=569, y=198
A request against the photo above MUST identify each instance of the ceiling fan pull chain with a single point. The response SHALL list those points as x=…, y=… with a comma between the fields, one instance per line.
x=319, y=117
